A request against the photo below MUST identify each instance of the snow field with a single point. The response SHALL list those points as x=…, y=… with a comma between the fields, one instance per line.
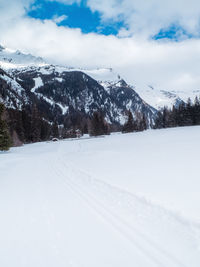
x=102, y=201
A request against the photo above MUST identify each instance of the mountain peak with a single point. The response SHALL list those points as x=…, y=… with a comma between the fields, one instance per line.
x=16, y=59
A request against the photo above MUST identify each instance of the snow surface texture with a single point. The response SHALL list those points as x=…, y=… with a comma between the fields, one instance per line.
x=103, y=202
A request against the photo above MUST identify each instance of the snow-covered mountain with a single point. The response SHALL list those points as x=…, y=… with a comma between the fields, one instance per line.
x=61, y=92
x=154, y=96
x=11, y=60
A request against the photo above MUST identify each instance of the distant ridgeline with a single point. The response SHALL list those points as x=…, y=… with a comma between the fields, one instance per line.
x=42, y=103
x=52, y=102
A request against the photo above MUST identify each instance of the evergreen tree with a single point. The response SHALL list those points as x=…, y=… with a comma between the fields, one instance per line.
x=165, y=117
x=98, y=125
x=5, y=141
x=159, y=121
x=188, y=113
x=54, y=130
x=35, y=125
x=180, y=115
x=171, y=120
x=85, y=128
x=26, y=122
x=196, y=111
x=15, y=125
x=45, y=130
x=142, y=124
x=129, y=125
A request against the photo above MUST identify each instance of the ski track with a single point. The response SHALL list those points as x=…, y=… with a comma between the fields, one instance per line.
x=155, y=236
x=98, y=196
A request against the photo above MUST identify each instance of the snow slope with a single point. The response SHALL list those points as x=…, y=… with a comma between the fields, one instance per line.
x=10, y=58
x=154, y=96
x=158, y=98
x=92, y=202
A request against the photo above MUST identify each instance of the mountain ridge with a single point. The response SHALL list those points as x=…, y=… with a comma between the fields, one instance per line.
x=63, y=92
x=158, y=98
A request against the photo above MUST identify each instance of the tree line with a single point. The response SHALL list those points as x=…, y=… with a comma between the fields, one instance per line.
x=23, y=126
x=185, y=114
x=28, y=126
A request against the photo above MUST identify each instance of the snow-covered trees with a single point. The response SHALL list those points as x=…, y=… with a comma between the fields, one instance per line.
x=5, y=141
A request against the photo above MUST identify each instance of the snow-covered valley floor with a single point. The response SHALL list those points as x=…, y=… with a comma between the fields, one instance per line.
x=119, y=201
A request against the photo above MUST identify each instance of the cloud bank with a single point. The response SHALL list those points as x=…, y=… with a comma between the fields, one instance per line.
x=139, y=59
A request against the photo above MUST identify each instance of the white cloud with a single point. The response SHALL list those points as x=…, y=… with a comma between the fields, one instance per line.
x=167, y=65
x=148, y=17
x=10, y=9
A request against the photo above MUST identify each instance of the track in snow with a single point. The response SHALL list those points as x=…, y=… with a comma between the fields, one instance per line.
x=56, y=213
x=125, y=212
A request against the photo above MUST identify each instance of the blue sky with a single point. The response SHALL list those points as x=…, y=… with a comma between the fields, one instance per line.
x=77, y=16
x=81, y=16
x=173, y=32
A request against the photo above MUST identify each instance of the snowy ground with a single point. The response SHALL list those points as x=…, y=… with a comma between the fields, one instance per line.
x=119, y=201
